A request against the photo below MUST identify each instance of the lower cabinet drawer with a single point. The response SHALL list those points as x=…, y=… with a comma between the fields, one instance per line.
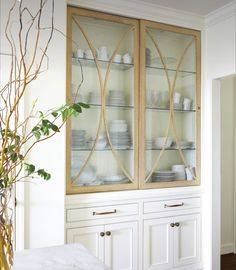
x=89, y=213
x=171, y=205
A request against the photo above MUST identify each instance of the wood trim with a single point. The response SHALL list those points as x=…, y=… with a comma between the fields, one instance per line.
x=103, y=16
x=196, y=35
x=140, y=27
x=135, y=28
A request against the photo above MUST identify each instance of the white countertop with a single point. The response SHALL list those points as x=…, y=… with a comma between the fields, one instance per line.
x=65, y=257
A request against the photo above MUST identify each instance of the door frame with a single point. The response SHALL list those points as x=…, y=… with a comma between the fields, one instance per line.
x=216, y=173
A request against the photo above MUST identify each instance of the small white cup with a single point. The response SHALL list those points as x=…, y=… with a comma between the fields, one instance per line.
x=118, y=58
x=127, y=58
x=80, y=53
x=177, y=97
x=88, y=54
x=187, y=104
x=103, y=53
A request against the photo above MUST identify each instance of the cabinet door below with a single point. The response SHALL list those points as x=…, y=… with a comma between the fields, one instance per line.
x=89, y=237
x=187, y=240
x=121, y=246
x=158, y=244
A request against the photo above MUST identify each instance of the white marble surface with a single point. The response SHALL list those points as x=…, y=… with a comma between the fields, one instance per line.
x=66, y=257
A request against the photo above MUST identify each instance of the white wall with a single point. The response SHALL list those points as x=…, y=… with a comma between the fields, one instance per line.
x=219, y=55
x=40, y=211
x=44, y=201
x=227, y=164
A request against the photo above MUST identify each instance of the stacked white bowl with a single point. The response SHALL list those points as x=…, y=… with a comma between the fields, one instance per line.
x=89, y=173
x=179, y=170
x=116, y=98
x=94, y=98
x=120, y=136
x=184, y=144
x=101, y=143
x=160, y=142
x=78, y=139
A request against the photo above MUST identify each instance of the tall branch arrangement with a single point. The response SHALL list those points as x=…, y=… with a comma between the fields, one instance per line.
x=28, y=40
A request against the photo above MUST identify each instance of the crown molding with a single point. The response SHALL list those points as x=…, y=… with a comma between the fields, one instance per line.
x=221, y=14
x=142, y=10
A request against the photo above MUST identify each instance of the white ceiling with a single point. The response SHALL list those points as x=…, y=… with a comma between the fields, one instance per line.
x=201, y=7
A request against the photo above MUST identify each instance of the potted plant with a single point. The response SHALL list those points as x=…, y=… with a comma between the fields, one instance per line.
x=27, y=63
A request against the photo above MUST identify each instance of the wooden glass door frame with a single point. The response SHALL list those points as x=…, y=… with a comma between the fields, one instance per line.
x=134, y=23
x=144, y=24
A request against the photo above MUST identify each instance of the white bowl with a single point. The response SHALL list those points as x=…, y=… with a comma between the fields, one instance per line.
x=178, y=168
x=160, y=142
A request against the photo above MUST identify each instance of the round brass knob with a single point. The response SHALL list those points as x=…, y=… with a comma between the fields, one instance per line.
x=172, y=225
x=108, y=233
x=102, y=234
x=177, y=224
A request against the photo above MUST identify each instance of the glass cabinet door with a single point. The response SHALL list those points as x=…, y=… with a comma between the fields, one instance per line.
x=170, y=106
x=102, y=57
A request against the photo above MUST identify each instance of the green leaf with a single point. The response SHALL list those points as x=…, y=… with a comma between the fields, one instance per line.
x=13, y=157
x=84, y=105
x=55, y=128
x=55, y=114
x=30, y=168
x=77, y=107
x=37, y=134
x=46, y=176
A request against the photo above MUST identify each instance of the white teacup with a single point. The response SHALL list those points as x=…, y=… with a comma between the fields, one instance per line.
x=187, y=104
x=88, y=54
x=127, y=58
x=118, y=58
x=177, y=97
x=103, y=53
x=80, y=53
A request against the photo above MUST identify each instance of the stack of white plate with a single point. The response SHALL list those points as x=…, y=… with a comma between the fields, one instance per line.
x=78, y=139
x=120, y=136
x=89, y=173
x=179, y=170
x=149, y=144
x=115, y=179
x=184, y=144
x=94, y=98
x=148, y=57
x=116, y=98
x=163, y=176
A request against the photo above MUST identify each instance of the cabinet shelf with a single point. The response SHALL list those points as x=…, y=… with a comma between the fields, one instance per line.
x=170, y=149
x=182, y=73
x=101, y=150
x=168, y=109
x=125, y=107
x=103, y=64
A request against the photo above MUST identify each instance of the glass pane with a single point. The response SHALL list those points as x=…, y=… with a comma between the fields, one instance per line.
x=170, y=106
x=102, y=137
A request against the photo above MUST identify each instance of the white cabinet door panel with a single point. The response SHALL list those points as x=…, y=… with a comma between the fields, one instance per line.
x=158, y=244
x=187, y=240
x=121, y=246
x=90, y=238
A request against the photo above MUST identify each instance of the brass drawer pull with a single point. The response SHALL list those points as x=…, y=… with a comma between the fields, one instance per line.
x=104, y=213
x=102, y=234
x=177, y=224
x=108, y=233
x=174, y=205
x=172, y=225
